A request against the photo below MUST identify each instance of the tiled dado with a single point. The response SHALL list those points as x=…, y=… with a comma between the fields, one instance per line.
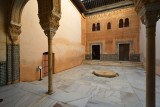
x=113, y=57
x=3, y=73
x=13, y=63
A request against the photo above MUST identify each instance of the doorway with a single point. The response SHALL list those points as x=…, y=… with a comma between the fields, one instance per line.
x=95, y=52
x=124, y=52
x=45, y=64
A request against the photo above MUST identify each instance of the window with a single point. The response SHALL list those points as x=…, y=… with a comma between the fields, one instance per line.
x=93, y=27
x=121, y=23
x=109, y=25
x=98, y=26
x=126, y=22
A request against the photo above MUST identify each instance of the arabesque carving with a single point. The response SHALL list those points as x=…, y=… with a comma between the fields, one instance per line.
x=14, y=31
x=49, y=20
x=49, y=14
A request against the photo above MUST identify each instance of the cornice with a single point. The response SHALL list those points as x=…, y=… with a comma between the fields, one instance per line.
x=115, y=6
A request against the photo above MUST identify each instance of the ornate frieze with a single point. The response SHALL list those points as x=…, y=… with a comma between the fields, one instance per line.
x=110, y=13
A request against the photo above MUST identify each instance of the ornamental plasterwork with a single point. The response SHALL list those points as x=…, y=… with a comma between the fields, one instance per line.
x=14, y=18
x=106, y=14
x=150, y=14
x=14, y=31
x=150, y=17
x=49, y=15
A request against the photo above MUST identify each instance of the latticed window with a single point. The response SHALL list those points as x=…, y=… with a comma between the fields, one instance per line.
x=109, y=25
x=126, y=22
x=121, y=23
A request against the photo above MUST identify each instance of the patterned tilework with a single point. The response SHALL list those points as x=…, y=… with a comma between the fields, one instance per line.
x=2, y=73
x=13, y=63
x=88, y=57
x=9, y=63
x=110, y=57
x=16, y=62
x=135, y=57
x=114, y=57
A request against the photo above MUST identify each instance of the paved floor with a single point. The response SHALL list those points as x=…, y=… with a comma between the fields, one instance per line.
x=78, y=87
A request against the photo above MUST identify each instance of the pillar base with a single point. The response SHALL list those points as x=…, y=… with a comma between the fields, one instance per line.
x=9, y=83
x=50, y=92
x=14, y=82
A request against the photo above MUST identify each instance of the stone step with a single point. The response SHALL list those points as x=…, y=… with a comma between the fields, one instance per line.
x=114, y=63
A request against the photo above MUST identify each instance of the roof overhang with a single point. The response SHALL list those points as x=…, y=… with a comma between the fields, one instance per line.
x=79, y=5
x=87, y=12
x=111, y=7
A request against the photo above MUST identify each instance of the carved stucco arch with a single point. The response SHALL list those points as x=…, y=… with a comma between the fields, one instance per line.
x=49, y=12
x=15, y=12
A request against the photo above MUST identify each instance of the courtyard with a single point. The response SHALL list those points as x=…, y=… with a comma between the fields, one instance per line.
x=78, y=87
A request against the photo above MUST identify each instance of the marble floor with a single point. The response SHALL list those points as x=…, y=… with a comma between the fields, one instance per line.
x=78, y=87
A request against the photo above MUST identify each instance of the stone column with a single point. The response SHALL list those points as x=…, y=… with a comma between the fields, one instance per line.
x=49, y=20
x=149, y=19
x=150, y=65
x=50, y=34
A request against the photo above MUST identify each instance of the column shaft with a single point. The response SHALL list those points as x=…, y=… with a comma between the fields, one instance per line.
x=150, y=66
x=50, y=73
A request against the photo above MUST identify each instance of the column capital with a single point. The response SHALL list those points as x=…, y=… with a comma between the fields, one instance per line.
x=14, y=30
x=50, y=23
x=50, y=33
x=149, y=18
x=149, y=13
x=49, y=20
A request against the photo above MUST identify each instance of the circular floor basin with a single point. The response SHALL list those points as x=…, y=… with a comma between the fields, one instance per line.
x=105, y=73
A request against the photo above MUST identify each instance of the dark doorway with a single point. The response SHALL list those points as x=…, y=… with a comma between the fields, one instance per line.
x=45, y=64
x=96, y=52
x=124, y=52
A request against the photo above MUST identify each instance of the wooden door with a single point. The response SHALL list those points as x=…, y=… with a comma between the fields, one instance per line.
x=45, y=64
x=124, y=52
x=96, y=52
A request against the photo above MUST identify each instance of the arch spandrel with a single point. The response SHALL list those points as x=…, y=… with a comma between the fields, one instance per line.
x=49, y=13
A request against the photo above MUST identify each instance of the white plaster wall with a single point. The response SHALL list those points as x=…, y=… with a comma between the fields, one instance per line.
x=70, y=23
x=143, y=42
x=66, y=43
x=158, y=40
x=143, y=45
